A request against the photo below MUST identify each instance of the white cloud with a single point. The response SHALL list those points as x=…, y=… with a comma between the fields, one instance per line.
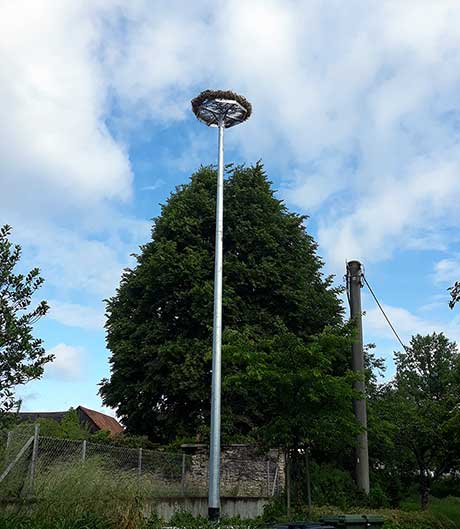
x=156, y=184
x=355, y=98
x=447, y=270
x=407, y=324
x=75, y=315
x=398, y=211
x=356, y=104
x=67, y=362
x=54, y=100
x=88, y=260
x=433, y=306
x=63, y=174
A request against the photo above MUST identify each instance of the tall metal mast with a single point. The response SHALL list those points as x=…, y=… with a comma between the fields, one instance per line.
x=222, y=109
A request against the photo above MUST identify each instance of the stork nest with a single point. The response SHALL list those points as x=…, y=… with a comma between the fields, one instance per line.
x=209, y=95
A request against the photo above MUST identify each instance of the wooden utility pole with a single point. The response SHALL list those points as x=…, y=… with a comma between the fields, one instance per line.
x=354, y=285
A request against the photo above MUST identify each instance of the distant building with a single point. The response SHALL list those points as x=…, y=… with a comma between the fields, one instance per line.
x=93, y=420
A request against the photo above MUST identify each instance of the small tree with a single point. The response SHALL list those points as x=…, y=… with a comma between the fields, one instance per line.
x=22, y=356
x=423, y=403
x=454, y=294
x=299, y=394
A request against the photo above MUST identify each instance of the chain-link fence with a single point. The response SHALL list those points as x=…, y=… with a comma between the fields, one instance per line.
x=29, y=462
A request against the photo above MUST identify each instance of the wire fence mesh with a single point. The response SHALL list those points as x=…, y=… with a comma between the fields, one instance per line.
x=30, y=462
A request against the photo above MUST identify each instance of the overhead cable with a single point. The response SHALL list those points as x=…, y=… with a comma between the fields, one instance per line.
x=383, y=312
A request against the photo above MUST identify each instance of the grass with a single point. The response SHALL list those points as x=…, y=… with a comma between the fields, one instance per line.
x=443, y=515
x=440, y=507
x=82, y=495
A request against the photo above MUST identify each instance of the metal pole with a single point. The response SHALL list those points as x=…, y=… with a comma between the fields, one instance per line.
x=33, y=464
x=183, y=476
x=83, y=451
x=288, y=483
x=307, y=469
x=354, y=282
x=8, y=440
x=214, y=449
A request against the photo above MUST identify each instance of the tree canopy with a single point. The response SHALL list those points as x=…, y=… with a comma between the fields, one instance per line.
x=22, y=356
x=276, y=302
x=421, y=411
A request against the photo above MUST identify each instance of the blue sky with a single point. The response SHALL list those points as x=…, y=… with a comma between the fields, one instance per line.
x=356, y=117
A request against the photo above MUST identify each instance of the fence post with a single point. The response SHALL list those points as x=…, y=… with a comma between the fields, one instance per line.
x=182, y=481
x=268, y=477
x=288, y=482
x=275, y=480
x=139, y=463
x=8, y=440
x=83, y=451
x=33, y=464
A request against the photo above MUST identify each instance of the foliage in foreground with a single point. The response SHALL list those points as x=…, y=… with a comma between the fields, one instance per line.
x=85, y=496
x=22, y=356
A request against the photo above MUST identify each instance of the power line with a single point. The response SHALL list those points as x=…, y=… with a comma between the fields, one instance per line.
x=383, y=312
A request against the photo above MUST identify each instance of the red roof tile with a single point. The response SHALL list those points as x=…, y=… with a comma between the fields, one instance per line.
x=102, y=421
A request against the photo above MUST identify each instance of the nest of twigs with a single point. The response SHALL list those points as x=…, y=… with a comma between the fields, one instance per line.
x=209, y=95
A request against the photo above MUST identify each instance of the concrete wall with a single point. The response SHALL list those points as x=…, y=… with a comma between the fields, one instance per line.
x=246, y=508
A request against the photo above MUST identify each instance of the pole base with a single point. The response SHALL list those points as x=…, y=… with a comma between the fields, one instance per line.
x=213, y=514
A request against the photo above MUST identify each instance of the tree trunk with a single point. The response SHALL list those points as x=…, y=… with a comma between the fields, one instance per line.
x=424, y=490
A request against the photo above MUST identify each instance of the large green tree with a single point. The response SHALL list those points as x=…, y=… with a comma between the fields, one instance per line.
x=159, y=324
x=421, y=411
x=22, y=356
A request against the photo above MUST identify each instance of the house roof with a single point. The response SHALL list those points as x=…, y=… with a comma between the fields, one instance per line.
x=102, y=421
x=35, y=415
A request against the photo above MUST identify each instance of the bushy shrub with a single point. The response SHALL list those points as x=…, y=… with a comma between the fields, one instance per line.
x=123, y=439
x=377, y=497
x=448, y=486
x=333, y=486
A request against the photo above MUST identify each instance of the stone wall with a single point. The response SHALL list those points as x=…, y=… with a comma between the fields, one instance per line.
x=245, y=470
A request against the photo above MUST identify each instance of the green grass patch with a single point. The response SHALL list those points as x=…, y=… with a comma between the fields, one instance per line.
x=443, y=515
x=439, y=507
